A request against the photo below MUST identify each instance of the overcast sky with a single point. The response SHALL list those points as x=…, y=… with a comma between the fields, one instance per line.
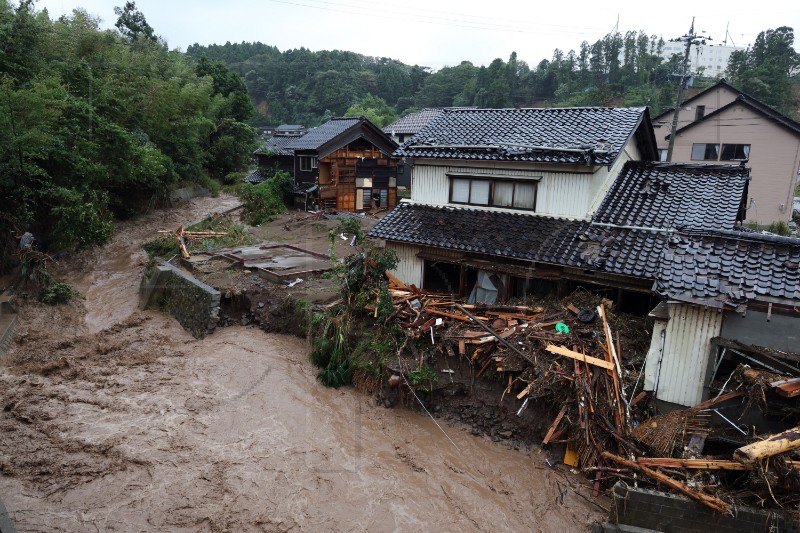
x=443, y=32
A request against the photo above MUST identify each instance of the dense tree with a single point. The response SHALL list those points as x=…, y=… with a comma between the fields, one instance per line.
x=96, y=123
x=765, y=69
x=373, y=108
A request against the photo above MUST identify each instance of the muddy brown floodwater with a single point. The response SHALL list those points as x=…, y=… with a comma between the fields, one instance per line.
x=117, y=420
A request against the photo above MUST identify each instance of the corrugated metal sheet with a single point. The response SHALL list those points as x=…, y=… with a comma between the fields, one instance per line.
x=678, y=375
x=409, y=269
x=559, y=193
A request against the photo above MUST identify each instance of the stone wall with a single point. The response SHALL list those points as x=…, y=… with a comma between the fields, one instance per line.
x=634, y=508
x=193, y=303
x=8, y=323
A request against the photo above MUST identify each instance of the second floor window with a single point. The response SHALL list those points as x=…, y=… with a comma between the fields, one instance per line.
x=734, y=152
x=712, y=152
x=509, y=194
x=705, y=152
x=308, y=162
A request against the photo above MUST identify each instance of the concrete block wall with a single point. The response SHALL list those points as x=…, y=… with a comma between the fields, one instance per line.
x=193, y=303
x=8, y=323
x=645, y=509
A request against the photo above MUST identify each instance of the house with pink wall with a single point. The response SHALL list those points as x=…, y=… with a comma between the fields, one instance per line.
x=722, y=124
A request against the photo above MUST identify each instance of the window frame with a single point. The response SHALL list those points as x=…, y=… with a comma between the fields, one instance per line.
x=309, y=161
x=745, y=148
x=705, y=152
x=492, y=181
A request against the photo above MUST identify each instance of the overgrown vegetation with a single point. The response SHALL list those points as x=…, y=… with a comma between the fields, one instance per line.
x=97, y=124
x=353, y=339
x=263, y=201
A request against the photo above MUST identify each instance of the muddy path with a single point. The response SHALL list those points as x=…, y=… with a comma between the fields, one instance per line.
x=117, y=420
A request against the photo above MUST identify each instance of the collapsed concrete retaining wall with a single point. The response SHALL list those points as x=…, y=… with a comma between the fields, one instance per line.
x=193, y=303
x=635, y=509
x=8, y=323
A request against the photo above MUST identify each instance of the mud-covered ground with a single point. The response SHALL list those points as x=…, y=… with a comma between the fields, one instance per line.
x=115, y=419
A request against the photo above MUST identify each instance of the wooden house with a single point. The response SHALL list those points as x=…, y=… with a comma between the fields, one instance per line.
x=346, y=164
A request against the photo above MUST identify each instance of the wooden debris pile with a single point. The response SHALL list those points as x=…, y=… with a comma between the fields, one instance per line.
x=572, y=359
x=184, y=236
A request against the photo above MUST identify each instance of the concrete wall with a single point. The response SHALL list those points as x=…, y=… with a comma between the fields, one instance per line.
x=8, y=325
x=193, y=303
x=779, y=332
x=657, y=511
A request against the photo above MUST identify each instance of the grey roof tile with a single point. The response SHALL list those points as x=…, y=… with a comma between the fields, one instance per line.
x=675, y=195
x=581, y=135
x=316, y=137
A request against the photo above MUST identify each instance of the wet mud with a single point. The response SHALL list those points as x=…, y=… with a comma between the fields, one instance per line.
x=115, y=419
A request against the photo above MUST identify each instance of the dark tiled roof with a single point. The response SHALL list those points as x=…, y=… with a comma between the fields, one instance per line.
x=316, y=137
x=626, y=252
x=581, y=135
x=278, y=145
x=257, y=176
x=730, y=268
x=289, y=127
x=675, y=195
x=559, y=241
x=518, y=236
x=413, y=122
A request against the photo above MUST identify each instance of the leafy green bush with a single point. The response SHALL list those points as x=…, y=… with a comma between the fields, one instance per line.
x=161, y=247
x=57, y=293
x=779, y=228
x=262, y=202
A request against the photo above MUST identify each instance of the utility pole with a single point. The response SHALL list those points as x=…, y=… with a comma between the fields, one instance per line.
x=690, y=39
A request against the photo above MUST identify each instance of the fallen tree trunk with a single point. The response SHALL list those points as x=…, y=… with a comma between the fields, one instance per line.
x=772, y=445
x=701, y=497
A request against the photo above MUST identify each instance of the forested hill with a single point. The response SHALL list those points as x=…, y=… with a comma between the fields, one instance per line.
x=99, y=123
x=304, y=87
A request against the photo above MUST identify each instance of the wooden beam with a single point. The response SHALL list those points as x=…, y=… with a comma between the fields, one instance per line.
x=773, y=445
x=692, y=464
x=566, y=352
x=701, y=497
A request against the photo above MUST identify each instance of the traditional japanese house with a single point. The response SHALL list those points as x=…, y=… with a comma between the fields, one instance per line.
x=346, y=164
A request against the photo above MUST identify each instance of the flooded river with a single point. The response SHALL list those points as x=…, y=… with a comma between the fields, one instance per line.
x=139, y=427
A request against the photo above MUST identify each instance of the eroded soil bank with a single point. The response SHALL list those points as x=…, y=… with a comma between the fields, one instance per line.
x=118, y=420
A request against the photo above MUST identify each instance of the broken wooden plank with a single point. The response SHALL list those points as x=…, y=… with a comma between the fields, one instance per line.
x=693, y=464
x=566, y=352
x=525, y=391
x=719, y=399
x=502, y=341
x=393, y=280
x=554, y=425
x=789, y=390
x=701, y=497
x=772, y=445
x=447, y=315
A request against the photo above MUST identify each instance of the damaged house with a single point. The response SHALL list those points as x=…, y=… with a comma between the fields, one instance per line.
x=504, y=194
x=345, y=164
x=523, y=203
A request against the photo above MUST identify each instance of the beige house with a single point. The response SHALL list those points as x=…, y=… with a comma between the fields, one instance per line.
x=721, y=124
